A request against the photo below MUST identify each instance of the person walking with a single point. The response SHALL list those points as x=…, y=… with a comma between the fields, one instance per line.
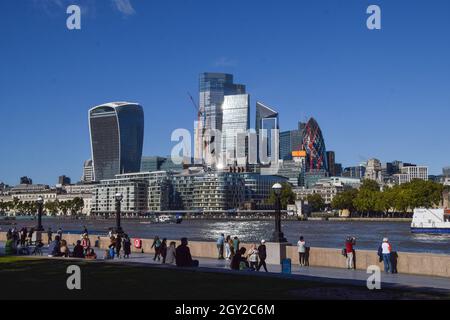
x=85, y=243
x=23, y=236
x=118, y=245
x=236, y=244
x=386, y=250
x=60, y=233
x=262, y=253
x=163, y=250
x=111, y=247
x=126, y=246
x=350, y=252
x=220, y=244
x=301, y=248
x=49, y=235
x=253, y=257
x=227, y=248
x=156, y=244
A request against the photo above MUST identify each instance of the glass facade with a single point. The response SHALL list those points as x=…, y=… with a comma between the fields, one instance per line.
x=117, y=134
x=314, y=144
x=213, y=87
x=236, y=122
x=266, y=121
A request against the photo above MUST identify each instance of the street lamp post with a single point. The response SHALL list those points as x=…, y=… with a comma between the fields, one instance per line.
x=278, y=236
x=40, y=203
x=118, y=198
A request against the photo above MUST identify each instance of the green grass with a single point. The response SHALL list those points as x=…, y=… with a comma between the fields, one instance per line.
x=25, y=278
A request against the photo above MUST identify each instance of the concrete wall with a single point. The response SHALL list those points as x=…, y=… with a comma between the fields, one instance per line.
x=408, y=263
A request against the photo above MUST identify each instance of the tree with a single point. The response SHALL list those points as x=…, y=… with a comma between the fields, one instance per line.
x=316, y=202
x=344, y=200
x=370, y=185
x=77, y=205
x=366, y=200
x=287, y=196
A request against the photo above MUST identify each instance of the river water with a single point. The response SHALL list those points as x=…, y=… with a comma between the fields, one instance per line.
x=327, y=234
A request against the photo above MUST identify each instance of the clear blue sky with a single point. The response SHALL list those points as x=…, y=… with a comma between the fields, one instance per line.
x=383, y=94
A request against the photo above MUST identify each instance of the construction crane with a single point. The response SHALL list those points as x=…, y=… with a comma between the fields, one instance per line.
x=201, y=117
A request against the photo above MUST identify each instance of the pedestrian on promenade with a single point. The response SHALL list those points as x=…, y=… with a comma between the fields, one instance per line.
x=23, y=236
x=86, y=243
x=253, y=257
x=112, y=245
x=183, y=255
x=49, y=235
x=163, y=250
x=236, y=243
x=78, y=250
x=350, y=252
x=231, y=245
x=30, y=236
x=239, y=262
x=301, y=248
x=60, y=233
x=54, y=248
x=262, y=253
x=110, y=232
x=170, y=258
x=386, y=250
x=85, y=230
x=156, y=244
x=126, y=246
x=118, y=245
x=220, y=244
x=227, y=248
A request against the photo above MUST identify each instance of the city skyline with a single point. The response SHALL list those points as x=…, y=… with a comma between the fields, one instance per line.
x=374, y=96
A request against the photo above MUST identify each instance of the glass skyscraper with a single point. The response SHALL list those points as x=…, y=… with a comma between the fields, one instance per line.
x=236, y=122
x=266, y=121
x=117, y=136
x=213, y=87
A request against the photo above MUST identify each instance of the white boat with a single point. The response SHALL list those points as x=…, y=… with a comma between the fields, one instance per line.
x=166, y=219
x=431, y=221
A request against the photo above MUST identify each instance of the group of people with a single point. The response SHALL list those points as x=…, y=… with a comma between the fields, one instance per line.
x=119, y=243
x=239, y=258
x=385, y=254
x=171, y=254
x=58, y=247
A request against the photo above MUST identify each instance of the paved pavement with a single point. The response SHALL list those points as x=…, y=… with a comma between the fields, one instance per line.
x=334, y=275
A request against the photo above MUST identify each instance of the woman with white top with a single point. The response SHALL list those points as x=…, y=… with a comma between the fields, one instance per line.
x=301, y=246
x=253, y=257
x=386, y=250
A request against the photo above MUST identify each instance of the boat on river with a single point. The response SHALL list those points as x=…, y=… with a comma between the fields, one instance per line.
x=435, y=221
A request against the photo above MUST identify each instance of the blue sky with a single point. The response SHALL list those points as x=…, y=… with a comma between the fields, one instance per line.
x=383, y=94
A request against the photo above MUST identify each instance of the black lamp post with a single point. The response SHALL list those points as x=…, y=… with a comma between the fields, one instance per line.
x=40, y=203
x=278, y=236
x=118, y=198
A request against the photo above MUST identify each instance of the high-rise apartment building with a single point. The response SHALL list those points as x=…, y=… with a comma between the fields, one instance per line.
x=117, y=135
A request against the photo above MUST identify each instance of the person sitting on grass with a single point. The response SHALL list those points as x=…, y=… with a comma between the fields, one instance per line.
x=183, y=255
x=54, y=247
x=239, y=262
x=78, y=250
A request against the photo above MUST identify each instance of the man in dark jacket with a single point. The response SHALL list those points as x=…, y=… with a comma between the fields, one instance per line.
x=183, y=255
x=237, y=259
x=262, y=253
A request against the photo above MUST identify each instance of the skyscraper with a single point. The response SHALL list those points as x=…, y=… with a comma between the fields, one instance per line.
x=314, y=145
x=266, y=121
x=117, y=136
x=331, y=161
x=236, y=122
x=88, y=172
x=213, y=87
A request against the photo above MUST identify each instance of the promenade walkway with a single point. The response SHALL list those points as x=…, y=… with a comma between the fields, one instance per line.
x=332, y=275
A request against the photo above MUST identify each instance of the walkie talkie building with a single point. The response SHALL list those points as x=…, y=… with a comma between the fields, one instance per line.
x=117, y=135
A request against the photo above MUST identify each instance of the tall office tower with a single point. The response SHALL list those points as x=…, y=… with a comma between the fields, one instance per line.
x=314, y=145
x=88, y=172
x=236, y=122
x=213, y=87
x=291, y=141
x=63, y=180
x=337, y=169
x=117, y=136
x=331, y=160
x=266, y=121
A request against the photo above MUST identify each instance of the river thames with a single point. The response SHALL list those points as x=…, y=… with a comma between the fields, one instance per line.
x=327, y=234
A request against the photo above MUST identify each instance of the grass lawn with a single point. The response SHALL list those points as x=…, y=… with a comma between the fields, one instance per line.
x=29, y=278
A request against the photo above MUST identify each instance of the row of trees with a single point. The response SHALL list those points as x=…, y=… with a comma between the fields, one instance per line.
x=73, y=206
x=369, y=199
